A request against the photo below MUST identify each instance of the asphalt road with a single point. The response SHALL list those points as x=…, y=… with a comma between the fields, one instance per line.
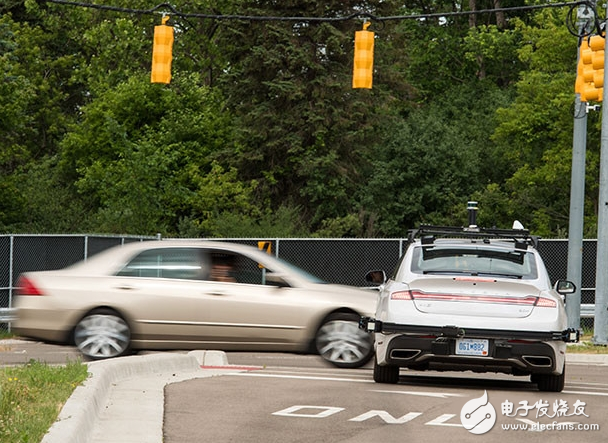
x=299, y=398
x=14, y=352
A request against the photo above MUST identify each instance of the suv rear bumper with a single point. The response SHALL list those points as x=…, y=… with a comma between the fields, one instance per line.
x=434, y=347
x=569, y=335
x=438, y=353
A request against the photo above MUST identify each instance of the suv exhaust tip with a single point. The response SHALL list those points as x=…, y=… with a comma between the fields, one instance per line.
x=538, y=360
x=404, y=354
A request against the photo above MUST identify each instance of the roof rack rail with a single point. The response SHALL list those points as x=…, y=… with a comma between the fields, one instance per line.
x=521, y=237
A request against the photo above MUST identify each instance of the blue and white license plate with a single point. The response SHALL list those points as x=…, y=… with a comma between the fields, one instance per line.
x=472, y=346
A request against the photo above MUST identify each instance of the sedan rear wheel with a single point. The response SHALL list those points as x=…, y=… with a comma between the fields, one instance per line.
x=342, y=343
x=102, y=334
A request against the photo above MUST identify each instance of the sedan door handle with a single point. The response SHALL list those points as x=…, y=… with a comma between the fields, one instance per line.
x=217, y=293
x=126, y=287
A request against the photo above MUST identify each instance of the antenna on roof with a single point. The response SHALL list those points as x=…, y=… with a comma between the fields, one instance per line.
x=472, y=209
x=517, y=225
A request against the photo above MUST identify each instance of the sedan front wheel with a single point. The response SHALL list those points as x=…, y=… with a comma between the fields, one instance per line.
x=342, y=343
x=102, y=334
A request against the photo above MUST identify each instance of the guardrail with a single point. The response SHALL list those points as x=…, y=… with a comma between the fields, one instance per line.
x=587, y=310
x=8, y=315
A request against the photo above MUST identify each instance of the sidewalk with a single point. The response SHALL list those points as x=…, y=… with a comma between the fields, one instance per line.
x=123, y=399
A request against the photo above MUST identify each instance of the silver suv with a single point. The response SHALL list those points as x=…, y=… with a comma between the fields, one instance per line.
x=471, y=299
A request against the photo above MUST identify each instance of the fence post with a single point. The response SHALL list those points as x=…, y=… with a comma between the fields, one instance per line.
x=10, y=275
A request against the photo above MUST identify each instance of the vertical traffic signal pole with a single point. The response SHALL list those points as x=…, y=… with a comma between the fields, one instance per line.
x=577, y=207
x=585, y=18
x=600, y=323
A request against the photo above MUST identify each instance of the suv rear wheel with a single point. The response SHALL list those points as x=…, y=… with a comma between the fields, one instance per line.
x=386, y=374
x=550, y=382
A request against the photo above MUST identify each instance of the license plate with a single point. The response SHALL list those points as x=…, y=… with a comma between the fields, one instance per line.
x=471, y=346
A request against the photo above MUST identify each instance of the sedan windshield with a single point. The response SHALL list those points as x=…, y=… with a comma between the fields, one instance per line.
x=474, y=261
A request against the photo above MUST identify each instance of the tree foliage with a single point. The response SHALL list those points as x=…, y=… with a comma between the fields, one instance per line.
x=259, y=132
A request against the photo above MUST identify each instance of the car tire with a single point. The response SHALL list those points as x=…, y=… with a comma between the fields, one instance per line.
x=550, y=382
x=101, y=334
x=342, y=343
x=386, y=374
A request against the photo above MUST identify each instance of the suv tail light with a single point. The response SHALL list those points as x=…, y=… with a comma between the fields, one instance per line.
x=26, y=287
x=546, y=303
x=401, y=295
x=530, y=300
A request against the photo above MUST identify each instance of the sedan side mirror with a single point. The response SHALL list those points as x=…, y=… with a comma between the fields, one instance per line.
x=273, y=279
x=564, y=287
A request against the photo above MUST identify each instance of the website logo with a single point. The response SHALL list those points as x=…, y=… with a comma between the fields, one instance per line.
x=478, y=416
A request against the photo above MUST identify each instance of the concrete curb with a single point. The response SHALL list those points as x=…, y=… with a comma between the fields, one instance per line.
x=596, y=359
x=77, y=419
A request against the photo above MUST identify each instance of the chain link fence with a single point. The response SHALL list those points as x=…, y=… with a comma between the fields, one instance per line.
x=555, y=256
x=23, y=253
x=341, y=261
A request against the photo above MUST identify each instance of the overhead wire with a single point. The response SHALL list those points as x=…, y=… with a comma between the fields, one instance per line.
x=167, y=7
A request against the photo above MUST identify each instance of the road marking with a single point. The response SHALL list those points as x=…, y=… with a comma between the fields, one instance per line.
x=388, y=418
x=442, y=419
x=320, y=373
x=299, y=377
x=323, y=411
x=601, y=394
x=422, y=394
x=354, y=380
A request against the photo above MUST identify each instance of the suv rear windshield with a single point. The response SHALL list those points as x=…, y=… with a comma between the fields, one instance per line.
x=474, y=261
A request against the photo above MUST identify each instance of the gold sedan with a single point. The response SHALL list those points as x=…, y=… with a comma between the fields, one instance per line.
x=193, y=294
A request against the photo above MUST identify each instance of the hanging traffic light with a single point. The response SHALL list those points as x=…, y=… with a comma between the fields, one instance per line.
x=162, y=52
x=590, y=70
x=364, y=58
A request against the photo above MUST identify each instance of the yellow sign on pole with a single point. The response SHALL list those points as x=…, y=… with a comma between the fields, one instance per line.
x=265, y=246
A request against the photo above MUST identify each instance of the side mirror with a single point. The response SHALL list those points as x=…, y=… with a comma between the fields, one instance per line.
x=273, y=279
x=376, y=277
x=564, y=287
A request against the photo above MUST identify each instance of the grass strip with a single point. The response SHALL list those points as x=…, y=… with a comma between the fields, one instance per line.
x=31, y=397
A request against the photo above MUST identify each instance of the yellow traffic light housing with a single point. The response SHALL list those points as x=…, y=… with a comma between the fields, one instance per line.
x=162, y=52
x=363, y=66
x=590, y=69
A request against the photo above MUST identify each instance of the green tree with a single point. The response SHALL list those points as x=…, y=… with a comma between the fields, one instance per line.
x=260, y=130
x=534, y=135
x=433, y=162
x=37, y=102
x=302, y=130
x=143, y=156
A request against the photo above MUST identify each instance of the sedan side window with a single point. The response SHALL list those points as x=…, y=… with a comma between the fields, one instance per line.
x=230, y=267
x=183, y=263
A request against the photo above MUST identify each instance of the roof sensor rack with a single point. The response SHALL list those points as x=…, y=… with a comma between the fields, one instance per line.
x=427, y=233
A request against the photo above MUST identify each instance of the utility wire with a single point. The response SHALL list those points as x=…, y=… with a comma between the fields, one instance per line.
x=166, y=8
